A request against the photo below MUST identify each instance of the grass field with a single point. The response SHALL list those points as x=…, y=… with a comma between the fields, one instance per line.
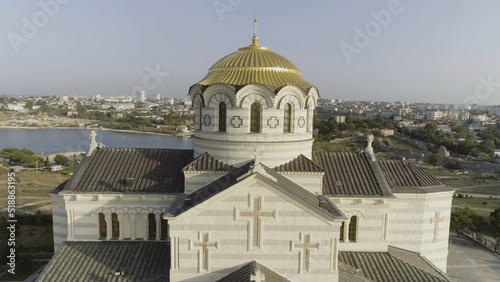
x=31, y=190
x=478, y=205
x=340, y=145
x=403, y=145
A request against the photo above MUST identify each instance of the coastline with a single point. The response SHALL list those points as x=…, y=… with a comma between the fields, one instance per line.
x=180, y=135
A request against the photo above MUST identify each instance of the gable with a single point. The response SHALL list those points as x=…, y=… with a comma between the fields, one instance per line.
x=242, y=181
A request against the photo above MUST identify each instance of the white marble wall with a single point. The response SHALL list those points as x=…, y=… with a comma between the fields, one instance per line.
x=231, y=232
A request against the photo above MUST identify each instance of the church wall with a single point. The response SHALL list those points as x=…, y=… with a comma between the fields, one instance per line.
x=196, y=180
x=413, y=225
x=370, y=228
x=59, y=220
x=228, y=227
x=238, y=153
x=312, y=182
x=84, y=211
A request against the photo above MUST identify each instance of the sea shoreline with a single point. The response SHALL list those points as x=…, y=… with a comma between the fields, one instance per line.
x=180, y=135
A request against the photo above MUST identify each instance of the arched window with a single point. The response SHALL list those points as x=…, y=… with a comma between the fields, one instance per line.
x=164, y=228
x=222, y=117
x=115, y=226
x=102, y=227
x=353, y=228
x=152, y=226
x=255, y=116
x=287, y=119
x=342, y=231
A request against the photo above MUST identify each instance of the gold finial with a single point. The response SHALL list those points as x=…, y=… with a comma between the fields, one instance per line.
x=255, y=39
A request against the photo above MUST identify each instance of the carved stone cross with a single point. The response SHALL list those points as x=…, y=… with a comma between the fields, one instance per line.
x=304, y=246
x=255, y=217
x=236, y=121
x=203, y=250
x=273, y=122
x=258, y=276
x=436, y=220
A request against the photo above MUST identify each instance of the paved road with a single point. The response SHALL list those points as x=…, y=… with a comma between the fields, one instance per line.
x=471, y=263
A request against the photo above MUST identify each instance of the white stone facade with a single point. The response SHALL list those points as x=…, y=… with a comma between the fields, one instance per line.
x=226, y=226
x=235, y=142
x=76, y=216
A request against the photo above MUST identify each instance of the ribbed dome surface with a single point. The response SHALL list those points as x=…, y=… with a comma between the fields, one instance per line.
x=254, y=64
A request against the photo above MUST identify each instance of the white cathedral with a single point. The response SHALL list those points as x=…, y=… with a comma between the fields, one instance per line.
x=251, y=201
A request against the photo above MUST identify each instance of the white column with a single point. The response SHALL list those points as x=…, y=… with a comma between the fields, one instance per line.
x=158, y=226
x=132, y=226
x=346, y=231
x=109, y=229
x=120, y=226
x=145, y=226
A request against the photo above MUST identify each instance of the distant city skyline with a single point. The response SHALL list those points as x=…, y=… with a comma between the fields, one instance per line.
x=413, y=51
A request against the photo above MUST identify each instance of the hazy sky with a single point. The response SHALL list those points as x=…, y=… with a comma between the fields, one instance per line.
x=427, y=51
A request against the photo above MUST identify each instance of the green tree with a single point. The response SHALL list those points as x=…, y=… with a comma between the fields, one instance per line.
x=435, y=159
x=47, y=162
x=465, y=219
x=487, y=147
x=60, y=159
x=75, y=161
x=495, y=225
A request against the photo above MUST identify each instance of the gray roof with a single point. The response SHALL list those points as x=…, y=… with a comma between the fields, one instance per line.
x=406, y=177
x=149, y=171
x=395, y=265
x=352, y=174
x=206, y=162
x=184, y=203
x=300, y=164
x=106, y=260
x=244, y=274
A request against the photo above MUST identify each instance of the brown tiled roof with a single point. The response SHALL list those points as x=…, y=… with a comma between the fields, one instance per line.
x=102, y=260
x=148, y=171
x=384, y=267
x=244, y=273
x=350, y=174
x=206, y=162
x=300, y=164
x=405, y=174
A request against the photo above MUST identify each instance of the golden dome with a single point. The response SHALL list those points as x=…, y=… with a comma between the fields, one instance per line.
x=254, y=64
